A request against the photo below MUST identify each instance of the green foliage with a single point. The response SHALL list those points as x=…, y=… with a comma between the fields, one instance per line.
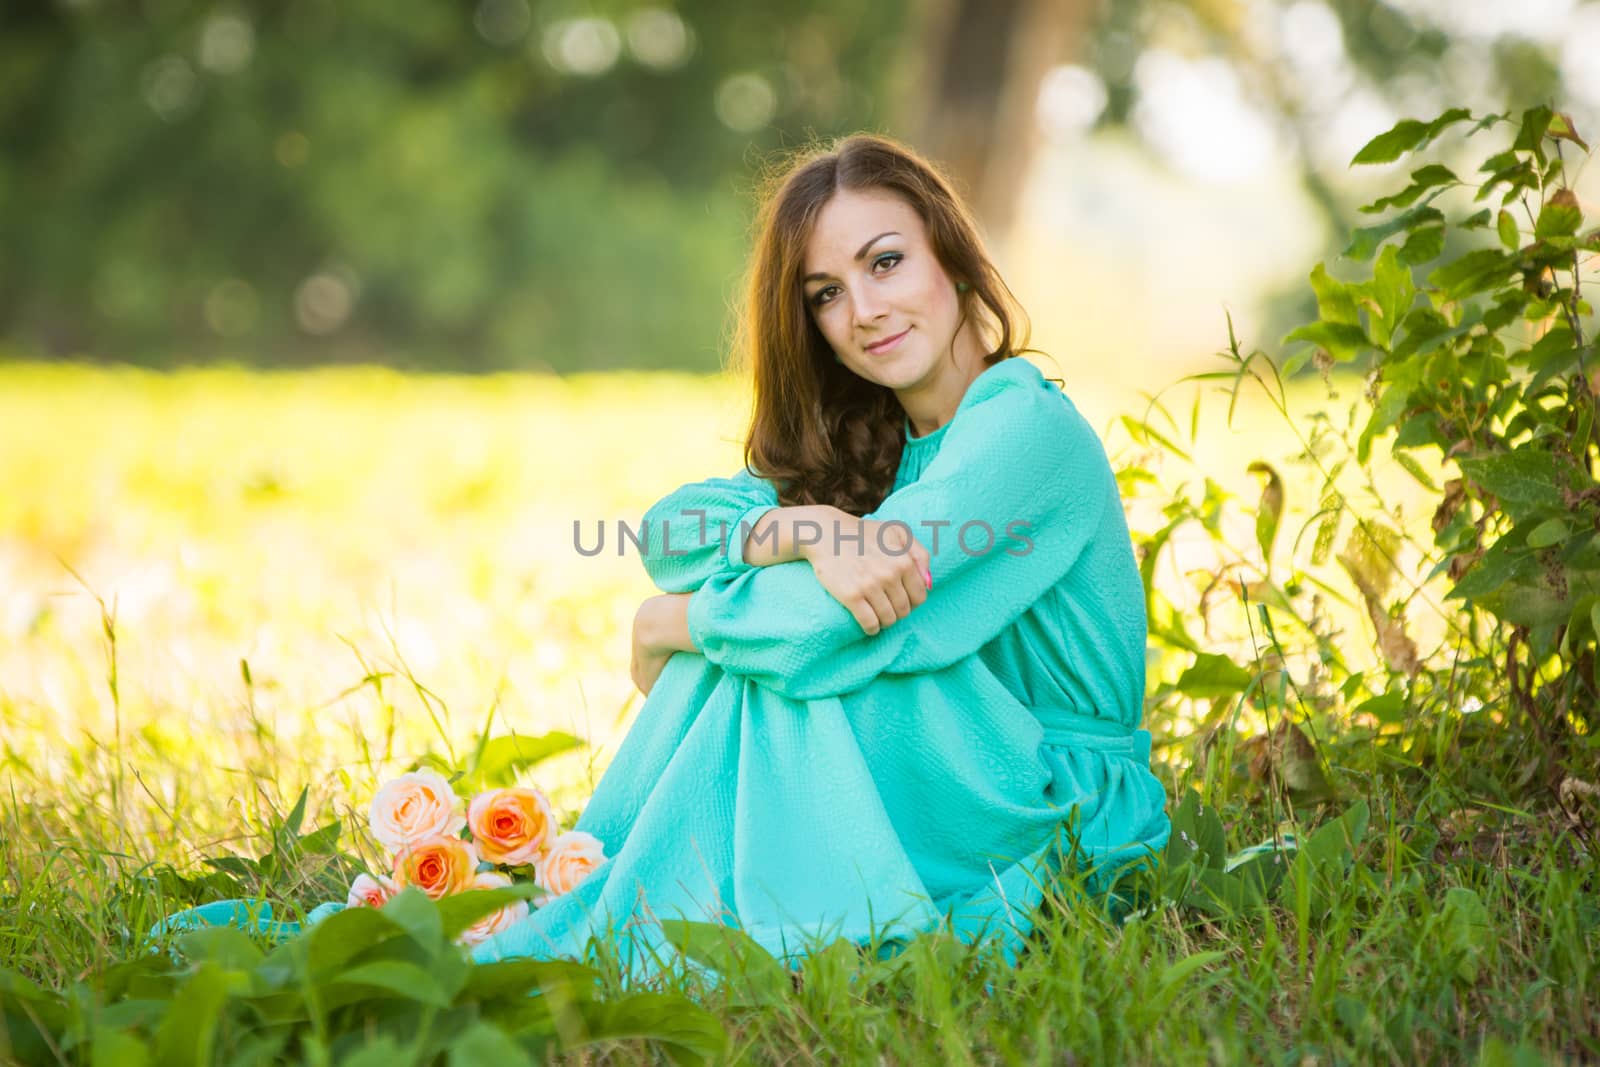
x=361, y=986
x=1476, y=342
x=1488, y=361
x=400, y=182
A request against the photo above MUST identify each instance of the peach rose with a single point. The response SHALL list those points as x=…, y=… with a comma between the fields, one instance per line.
x=414, y=806
x=438, y=865
x=369, y=892
x=570, y=859
x=511, y=826
x=495, y=921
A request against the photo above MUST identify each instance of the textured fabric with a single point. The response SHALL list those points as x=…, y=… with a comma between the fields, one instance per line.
x=806, y=781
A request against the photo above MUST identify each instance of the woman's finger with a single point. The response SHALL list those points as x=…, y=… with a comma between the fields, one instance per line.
x=899, y=597
x=884, y=608
x=916, y=590
x=866, y=617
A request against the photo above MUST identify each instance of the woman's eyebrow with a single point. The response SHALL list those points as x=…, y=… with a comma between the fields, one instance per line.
x=860, y=253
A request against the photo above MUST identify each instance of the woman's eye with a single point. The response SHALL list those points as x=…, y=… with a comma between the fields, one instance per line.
x=820, y=297
x=895, y=257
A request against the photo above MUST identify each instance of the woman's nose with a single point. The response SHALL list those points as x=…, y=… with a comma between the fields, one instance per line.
x=868, y=307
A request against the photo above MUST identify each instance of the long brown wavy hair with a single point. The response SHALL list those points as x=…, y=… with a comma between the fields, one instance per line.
x=822, y=434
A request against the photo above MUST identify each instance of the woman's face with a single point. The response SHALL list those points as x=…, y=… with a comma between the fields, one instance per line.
x=877, y=292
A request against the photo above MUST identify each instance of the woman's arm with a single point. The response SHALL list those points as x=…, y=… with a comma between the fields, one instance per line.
x=784, y=535
x=695, y=531
x=1020, y=463
x=660, y=628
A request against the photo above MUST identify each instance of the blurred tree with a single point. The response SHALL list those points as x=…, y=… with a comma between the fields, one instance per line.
x=973, y=97
x=561, y=183
x=498, y=183
x=978, y=67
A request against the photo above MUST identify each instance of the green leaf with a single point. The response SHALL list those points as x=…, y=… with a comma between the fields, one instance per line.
x=1561, y=129
x=1472, y=273
x=503, y=757
x=404, y=980
x=1413, y=468
x=1335, y=301
x=1422, y=180
x=518, y=977
x=382, y=1051
x=1524, y=478
x=1466, y=931
x=1219, y=893
x=1506, y=226
x=291, y=825
x=1547, y=533
x=690, y=1033
x=1422, y=245
x=460, y=910
x=1392, y=290
x=323, y=841
x=117, y=1048
x=1560, y=217
x=1198, y=833
x=1212, y=676
x=752, y=975
x=1342, y=340
x=1535, y=123
x=1364, y=241
x=228, y=946
x=412, y=911
x=1499, y=565
x=1392, y=404
x=1174, y=974
x=189, y=1029
x=1393, y=143
x=1270, y=510
x=483, y=1045
x=343, y=936
x=1390, y=707
x=1407, y=135
x=1334, y=843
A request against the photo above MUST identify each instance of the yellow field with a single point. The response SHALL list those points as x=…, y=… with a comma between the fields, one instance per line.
x=327, y=526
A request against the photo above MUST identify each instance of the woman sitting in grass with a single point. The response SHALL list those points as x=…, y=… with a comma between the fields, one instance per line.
x=896, y=673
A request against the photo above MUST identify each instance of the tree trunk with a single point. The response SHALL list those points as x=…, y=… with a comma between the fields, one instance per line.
x=972, y=87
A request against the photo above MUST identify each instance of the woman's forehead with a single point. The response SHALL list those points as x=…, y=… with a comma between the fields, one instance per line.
x=852, y=217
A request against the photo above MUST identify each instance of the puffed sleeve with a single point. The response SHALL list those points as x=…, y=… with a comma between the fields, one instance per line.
x=1018, y=460
x=699, y=529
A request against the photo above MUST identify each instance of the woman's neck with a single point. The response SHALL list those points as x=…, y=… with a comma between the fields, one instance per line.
x=933, y=402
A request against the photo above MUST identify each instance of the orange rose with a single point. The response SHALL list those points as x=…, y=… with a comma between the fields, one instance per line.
x=369, y=892
x=495, y=921
x=570, y=859
x=414, y=806
x=438, y=865
x=511, y=826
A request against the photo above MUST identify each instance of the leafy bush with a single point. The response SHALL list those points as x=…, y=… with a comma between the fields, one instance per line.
x=1475, y=339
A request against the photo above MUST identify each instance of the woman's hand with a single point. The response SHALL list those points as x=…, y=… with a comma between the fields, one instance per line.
x=660, y=628
x=879, y=577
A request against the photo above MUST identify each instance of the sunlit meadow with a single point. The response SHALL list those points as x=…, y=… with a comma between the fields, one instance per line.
x=219, y=587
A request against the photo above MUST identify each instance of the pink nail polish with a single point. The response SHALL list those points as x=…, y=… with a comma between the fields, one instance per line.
x=928, y=578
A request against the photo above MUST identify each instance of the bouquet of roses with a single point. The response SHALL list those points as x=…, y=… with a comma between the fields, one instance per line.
x=419, y=820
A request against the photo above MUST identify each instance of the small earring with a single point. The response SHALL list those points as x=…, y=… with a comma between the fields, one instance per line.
x=836, y=358
x=962, y=287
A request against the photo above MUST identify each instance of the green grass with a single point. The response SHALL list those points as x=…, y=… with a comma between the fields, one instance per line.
x=310, y=580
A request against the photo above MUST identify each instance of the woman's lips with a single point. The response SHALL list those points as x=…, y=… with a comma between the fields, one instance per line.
x=888, y=342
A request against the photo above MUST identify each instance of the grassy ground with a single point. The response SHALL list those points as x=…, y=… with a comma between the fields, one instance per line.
x=219, y=588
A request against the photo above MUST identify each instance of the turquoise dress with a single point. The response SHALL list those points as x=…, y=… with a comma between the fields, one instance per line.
x=807, y=781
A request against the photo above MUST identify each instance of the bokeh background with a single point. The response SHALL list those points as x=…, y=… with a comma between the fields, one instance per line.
x=323, y=321
x=562, y=185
